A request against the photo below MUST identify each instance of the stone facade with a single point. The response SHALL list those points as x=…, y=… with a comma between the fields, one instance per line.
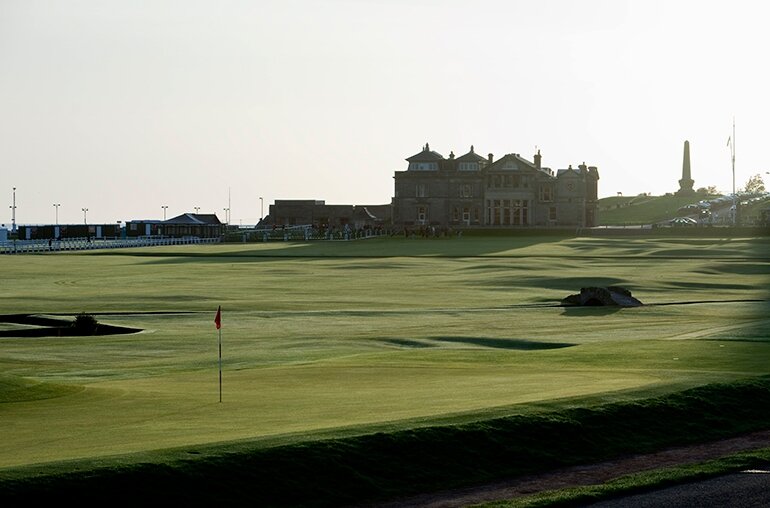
x=469, y=191
x=474, y=191
x=316, y=213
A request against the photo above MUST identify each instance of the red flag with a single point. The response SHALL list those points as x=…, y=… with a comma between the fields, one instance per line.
x=218, y=319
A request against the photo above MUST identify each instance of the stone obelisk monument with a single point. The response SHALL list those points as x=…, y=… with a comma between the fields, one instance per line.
x=685, y=184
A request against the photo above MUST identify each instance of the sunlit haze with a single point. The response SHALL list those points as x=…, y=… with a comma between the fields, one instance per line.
x=123, y=107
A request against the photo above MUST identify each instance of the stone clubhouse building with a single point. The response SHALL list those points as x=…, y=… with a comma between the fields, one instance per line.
x=474, y=191
x=469, y=191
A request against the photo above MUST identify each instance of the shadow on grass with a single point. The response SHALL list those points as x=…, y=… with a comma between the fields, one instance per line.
x=740, y=268
x=518, y=344
x=380, y=467
x=711, y=285
x=371, y=248
x=408, y=343
x=40, y=326
x=591, y=311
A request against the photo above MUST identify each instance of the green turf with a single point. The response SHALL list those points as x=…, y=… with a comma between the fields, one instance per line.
x=622, y=210
x=340, y=470
x=636, y=210
x=331, y=338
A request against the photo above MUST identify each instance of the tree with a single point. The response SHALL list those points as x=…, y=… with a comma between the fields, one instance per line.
x=755, y=185
x=85, y=324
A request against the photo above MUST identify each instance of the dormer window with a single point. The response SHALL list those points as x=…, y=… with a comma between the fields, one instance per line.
x=469, y=166
x=423, y=166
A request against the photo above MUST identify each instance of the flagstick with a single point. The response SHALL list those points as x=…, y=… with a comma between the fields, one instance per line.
x=220, y=365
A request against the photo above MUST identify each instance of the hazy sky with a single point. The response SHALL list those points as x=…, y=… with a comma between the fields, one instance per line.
x=123, y=107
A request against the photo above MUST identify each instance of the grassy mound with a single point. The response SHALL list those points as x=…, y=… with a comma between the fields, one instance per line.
x=620, y=210
x=17, y=389
x=377, y=466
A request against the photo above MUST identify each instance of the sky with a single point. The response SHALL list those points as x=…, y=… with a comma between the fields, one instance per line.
x=126, y=107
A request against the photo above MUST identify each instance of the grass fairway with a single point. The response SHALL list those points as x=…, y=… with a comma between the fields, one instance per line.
x=333, y=339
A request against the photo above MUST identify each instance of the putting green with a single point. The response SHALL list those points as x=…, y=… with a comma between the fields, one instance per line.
x=363, y=335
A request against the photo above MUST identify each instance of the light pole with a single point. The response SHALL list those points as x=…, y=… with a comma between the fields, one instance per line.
x=731, y=144
x=261, y=209
x=56, y=206
x=85, y=211
x=227, y=215
x=165, y=207
x=13, y=212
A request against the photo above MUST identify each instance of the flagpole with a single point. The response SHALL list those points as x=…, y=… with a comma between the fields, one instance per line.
x=218, y=324
x=732, y=156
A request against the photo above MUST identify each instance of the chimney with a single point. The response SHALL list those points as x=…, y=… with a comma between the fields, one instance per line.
x=538, y=159
x=491, y=158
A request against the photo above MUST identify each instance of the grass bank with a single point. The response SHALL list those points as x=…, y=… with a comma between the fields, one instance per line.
x=355, y=469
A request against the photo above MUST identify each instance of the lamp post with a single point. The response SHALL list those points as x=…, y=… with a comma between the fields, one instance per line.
x=165, y=207
x=731, y=144
x=56, y=206
x=261, y=209
x=85, y=211
x=13, y=212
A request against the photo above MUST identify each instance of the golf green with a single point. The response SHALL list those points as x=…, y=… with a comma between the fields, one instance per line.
x=342, y=337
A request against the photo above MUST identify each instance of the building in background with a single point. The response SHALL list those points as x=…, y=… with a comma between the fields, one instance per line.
x=68, y=231
x=469, y=191
x=473, y=191
x=197, y=225
x=322, y=217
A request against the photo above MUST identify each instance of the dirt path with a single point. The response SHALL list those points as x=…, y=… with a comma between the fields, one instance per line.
x=582, y=475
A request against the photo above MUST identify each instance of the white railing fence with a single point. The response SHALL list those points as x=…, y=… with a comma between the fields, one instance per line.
x=287, y=233
x=73, y=244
